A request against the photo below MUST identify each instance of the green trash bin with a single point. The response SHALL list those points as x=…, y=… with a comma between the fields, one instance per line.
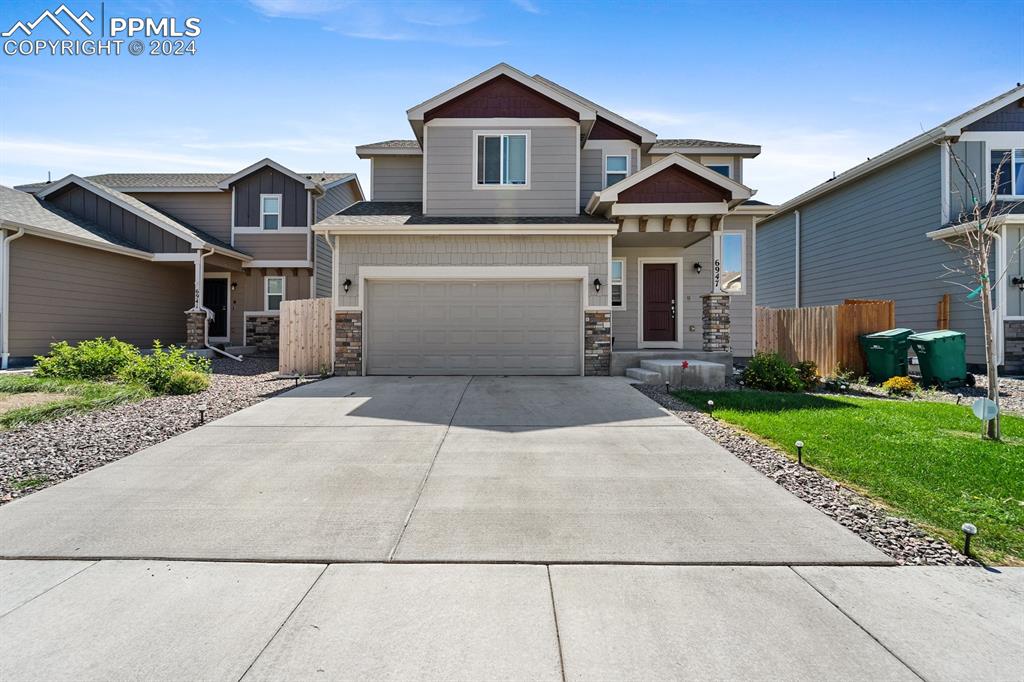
x=943, y=357
x=886, y=353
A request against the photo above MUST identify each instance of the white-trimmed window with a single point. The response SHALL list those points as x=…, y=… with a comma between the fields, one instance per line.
x=1009, y=165
x=723, y=168
x=502, y=159
x=730, y=275
x=273, y=292
x=617, y=280
x=616, y=169
x=270, y=211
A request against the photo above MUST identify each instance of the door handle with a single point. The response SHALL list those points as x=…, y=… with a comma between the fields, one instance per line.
x=673, y=309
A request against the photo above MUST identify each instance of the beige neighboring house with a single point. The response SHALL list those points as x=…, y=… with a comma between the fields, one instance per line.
x=528, y=230
x=197, y=258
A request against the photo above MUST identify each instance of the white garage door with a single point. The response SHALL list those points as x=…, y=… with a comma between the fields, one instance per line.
x=473, y=327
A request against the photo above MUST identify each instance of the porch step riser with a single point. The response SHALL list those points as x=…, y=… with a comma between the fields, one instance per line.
x=697, y=374
x=645, y=376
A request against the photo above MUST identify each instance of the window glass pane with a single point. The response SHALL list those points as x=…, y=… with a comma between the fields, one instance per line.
x=732, y=263
x=612, y=178
x=616, y=163
x=492, y=160
x=274, y=302
x=718, y=168
x=616, y=271
x=275, y=285
x=1001, y=164
x=1018, y=172
x=480, y=153
x=617, y=295
x=515, y=159
x=270, y=221
x=271, y=205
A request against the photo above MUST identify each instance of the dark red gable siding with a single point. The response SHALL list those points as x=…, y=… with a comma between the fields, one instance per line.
x=501, y=97
x=606, y=130
x=673, y=185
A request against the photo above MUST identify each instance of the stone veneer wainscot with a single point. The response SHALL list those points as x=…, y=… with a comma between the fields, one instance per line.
x=263, y=331
x=597, y=347
x=348, y=343
x=715, y=308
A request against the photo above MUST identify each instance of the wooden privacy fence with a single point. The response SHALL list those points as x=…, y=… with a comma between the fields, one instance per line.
x=827, y=335
x=306, y=343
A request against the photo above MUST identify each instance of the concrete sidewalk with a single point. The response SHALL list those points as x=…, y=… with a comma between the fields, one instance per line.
x=160, y=620
x=435, y=469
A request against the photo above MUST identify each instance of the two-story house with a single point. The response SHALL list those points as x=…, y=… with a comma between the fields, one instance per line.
x=528, y=230
x=885, y=229
x=202, y=258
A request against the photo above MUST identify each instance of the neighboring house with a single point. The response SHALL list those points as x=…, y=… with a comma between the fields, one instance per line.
x=528, y=230
x=127, y=255
x=880, y=230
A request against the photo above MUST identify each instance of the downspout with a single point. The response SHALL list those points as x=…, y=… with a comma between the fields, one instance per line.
x=5, y=294
x=200, y=270
x=797, y=266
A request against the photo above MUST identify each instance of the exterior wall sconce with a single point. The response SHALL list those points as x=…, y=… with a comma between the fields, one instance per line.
x=234, y=285
x=346, y=284
x=697, y=267
x=597, y=285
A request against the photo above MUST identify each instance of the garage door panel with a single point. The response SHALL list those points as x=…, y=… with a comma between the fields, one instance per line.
x=473, y=327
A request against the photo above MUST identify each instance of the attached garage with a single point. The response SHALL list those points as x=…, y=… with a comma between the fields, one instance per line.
x=473, y=326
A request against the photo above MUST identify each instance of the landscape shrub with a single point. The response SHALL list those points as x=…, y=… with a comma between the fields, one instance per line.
x=903, y=386
x=187, y=382
x=807, y=372
x=771, y=372
x=155, y=370
x=96, y=359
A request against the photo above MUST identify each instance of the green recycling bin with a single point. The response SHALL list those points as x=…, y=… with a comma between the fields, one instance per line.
x=886, y=353
x=943, y=357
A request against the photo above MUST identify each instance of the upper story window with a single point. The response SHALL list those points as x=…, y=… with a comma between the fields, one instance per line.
x=616, y=168
x=501, y=159
x=730, y=276
x=618, y=282
x=1008, y=164
x=273, y=292
x=270, y=211
x=723, y=168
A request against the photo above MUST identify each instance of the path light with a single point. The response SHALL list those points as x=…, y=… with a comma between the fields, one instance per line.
x=970, y=530
x=800, y=452
x=959, y=397
x=202, y=412
x=668, y=387
x=711, y=408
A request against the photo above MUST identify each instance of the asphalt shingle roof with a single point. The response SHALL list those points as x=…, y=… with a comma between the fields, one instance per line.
x=173, y=180
x=393, y=144
x=24, y=209
x=398, y=213
x=693, y=142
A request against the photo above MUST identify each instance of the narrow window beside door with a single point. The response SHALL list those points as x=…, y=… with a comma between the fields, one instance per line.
x=618, y=283
x=270, y=211
x=273, y=292
x=730, y=262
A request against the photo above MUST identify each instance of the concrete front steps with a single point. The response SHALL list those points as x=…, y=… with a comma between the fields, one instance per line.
x=696, y=373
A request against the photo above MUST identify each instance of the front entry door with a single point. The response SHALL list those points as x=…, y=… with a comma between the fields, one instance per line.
x=215, y=297
x=659, y=302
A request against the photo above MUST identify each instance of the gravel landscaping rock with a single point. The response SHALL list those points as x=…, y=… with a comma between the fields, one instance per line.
x=895, y=536
x=38, y=456
x=1011, y=393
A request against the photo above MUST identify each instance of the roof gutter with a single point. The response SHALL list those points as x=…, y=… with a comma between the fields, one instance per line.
x=5, y=294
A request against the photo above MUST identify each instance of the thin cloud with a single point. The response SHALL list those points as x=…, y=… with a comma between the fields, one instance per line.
x=527, y=6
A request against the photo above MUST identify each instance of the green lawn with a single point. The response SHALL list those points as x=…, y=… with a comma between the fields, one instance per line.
x=80, y=396
x=925, y=460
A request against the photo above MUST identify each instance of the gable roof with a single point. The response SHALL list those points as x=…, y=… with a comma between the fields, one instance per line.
x=21, y=210
x=196, y=238
x=610, y=194
x=177, y=182
x=587, y=113
x=646, y=136
x=952, y=128
x=263, y=163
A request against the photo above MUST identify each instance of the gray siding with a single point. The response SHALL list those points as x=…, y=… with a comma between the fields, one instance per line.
x=355, y=251
x=124, y=224
x=335, y=199
x=967, y=178
x=294, y=209
x=552, y=175
x=591, y=174
x=397, y=178
x=64, y=292
x=1009, y=118
x=207, y=211
x=776, y=262
x=271, y=246
x=867, y=240
x=249, y=294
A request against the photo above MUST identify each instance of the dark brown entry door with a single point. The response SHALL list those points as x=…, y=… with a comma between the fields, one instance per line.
x=215, y=297
x=659, y=302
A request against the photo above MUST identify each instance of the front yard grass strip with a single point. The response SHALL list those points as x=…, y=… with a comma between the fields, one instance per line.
x=925, y=460
x=82, y=396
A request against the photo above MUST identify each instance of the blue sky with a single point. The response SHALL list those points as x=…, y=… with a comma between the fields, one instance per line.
x=821, y=86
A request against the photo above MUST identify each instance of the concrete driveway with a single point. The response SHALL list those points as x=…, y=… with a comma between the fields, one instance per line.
x=435, y=469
